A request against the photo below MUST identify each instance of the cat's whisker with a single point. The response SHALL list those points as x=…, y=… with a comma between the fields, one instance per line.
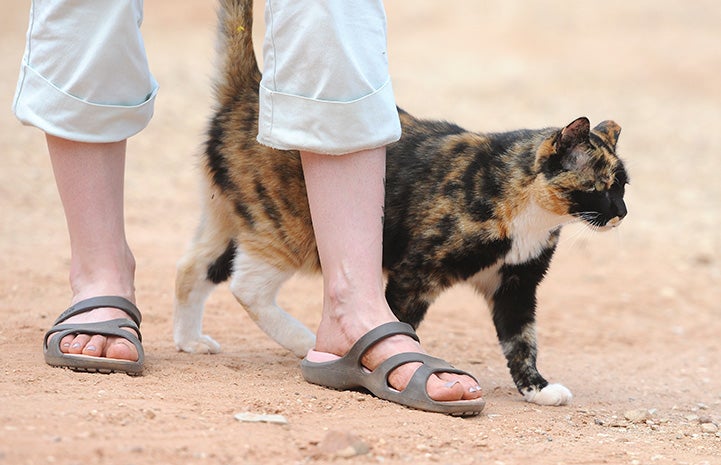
x=590, y=223
x=572, y=220
x=589, y=217
x=577, y=235
x=619, y=237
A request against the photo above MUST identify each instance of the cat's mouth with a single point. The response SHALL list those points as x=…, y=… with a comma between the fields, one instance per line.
x=610, y=224
x=596, y=221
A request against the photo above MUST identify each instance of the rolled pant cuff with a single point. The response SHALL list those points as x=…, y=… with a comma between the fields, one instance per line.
x=291, y=122
x=39, y=103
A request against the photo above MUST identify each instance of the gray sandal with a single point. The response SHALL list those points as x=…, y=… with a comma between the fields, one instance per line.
x=347, y=372
x=51, y=344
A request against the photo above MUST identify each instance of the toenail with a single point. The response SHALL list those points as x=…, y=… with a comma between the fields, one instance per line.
x=450, y=384
x=91, y=348
x=474, y=389
x=66, y=344
x=76, y=345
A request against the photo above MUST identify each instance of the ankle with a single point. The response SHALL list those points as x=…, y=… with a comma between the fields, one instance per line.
x=103, y=274
x=344, y=321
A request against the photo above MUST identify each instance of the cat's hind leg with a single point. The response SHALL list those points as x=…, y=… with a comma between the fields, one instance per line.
x=255, y=284
x=207, y=263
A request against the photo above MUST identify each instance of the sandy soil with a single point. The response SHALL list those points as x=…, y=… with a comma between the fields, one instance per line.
x=628, y=320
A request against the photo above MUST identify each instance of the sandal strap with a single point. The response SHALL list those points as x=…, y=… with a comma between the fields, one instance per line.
x=92, y=303
x=104, y=328
x=376, y=335
x=432, y=365
x=417, y=386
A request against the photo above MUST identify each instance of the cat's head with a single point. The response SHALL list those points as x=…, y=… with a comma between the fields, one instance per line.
x=581, y=174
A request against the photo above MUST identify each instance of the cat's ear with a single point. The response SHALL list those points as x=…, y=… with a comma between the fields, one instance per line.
x=609, y=130
x=573, y=135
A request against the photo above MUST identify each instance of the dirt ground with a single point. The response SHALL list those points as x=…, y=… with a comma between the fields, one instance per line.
x=628, y=320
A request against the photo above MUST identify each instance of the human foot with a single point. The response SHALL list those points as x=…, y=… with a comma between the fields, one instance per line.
x=426, y=389
x=431, y=385
x=98, y=345
x=96, y=334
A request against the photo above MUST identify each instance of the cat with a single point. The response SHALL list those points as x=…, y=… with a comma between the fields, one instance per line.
x=460, y=206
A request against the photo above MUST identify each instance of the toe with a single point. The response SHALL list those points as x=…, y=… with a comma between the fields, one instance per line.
x=121, y=349
x=95, y=346
x=471, y=389
x=66, y=342
x=444, y=391
x=78, y=344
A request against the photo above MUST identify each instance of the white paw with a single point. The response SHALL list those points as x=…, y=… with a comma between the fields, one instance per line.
x=301, y=344
x=553, y=394
x=201, y=345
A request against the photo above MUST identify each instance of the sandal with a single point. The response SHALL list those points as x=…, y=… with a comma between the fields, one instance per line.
x=347, y=372
x=55, y=357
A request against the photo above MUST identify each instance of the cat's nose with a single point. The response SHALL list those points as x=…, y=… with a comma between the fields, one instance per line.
x=621, y=211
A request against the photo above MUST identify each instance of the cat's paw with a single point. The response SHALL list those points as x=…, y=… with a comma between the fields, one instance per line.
x=553, y=394
x=301, y=344
x=201, y=345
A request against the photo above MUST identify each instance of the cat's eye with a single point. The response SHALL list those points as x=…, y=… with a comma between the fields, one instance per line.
x=600, y=186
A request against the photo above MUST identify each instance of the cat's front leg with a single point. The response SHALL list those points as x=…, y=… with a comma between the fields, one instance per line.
x=514, y=304
x=552, y=394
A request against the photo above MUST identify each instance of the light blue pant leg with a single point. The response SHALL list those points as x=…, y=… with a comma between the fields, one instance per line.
x=85, y=74
x=325, y=85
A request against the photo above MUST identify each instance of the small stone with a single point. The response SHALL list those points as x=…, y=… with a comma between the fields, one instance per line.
x=342, y=445
x=637, y=416
x=249, y=417
x=709, y=428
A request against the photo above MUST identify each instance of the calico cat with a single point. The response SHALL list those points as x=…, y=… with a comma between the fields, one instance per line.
x=461, y=206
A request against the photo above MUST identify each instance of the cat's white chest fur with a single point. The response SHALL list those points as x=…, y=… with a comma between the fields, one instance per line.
x=530, y=231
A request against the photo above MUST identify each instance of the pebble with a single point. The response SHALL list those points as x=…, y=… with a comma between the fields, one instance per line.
x=249, y=417
x=709, y=428
x=637, y=416
x=341, y=445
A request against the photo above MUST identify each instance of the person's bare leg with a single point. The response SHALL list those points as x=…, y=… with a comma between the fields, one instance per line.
x=90, y=179
x=346, y=196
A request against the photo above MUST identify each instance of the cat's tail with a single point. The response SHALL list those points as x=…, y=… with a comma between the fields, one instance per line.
x=238, y=70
